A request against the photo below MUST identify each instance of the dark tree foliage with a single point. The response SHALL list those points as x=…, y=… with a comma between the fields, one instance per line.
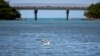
x=7, y=12
x=93, y=11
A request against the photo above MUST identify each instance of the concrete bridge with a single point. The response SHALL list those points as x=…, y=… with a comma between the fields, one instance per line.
x=49, y=6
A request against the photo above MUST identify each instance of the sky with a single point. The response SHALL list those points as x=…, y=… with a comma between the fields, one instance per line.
x=54, y=13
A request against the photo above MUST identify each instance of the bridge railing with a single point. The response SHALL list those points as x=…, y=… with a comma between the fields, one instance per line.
x=50, y=4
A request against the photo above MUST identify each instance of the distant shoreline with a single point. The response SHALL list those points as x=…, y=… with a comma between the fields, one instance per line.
x=55, y=19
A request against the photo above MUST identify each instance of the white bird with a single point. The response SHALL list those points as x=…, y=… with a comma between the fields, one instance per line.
x=45, y=42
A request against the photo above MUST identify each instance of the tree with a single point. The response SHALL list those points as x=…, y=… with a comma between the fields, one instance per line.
x=7, y=12
x=93, y=11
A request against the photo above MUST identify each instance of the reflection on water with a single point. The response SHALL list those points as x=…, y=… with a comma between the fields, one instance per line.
x=36, y=38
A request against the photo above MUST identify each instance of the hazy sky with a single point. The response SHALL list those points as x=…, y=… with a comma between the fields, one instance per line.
x=53, y=13
x=54, y=1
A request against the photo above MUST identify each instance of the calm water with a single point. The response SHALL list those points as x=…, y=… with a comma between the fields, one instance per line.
x=49, y=37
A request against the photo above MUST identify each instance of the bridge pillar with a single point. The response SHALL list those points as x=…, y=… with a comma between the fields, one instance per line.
x=35, y=13
x=67, y=14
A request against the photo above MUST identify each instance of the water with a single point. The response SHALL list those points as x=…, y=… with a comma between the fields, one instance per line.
x=66, y=38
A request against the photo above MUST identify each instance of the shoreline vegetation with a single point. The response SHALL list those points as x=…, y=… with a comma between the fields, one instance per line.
x=7, y=12
x=93, y=11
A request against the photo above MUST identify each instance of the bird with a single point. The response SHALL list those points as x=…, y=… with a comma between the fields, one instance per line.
x=46, y=42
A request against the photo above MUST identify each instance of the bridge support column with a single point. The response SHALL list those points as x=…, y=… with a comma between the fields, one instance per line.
x=67, y=14
x=35, y=13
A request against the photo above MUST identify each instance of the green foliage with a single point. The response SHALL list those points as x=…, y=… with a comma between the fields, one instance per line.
x=7, y=12
x=93, y=11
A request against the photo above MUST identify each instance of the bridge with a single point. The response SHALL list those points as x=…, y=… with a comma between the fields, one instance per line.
x=49, y=6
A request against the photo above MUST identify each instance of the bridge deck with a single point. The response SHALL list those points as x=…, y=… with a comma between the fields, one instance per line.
x=50, y=6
